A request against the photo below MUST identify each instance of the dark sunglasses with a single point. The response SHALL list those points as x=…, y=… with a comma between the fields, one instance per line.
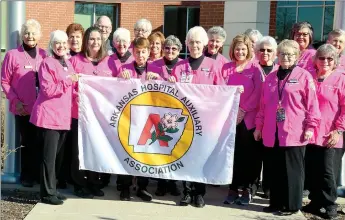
x=329, y=59
x=268, y=50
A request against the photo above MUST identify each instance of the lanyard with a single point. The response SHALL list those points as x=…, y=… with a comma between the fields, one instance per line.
x=280, y=91
x=27, y=59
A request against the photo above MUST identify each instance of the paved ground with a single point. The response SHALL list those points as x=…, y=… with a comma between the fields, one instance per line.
x=110, y=207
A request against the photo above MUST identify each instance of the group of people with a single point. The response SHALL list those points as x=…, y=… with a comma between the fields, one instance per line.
x=280, y=132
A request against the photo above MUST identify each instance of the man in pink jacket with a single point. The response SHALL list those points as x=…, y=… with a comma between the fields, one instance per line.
x=337, y=39
x=19, y=82
x=289, y=107
x=51, y=112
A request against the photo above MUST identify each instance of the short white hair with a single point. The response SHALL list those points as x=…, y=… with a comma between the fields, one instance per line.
x=253, y=33
x=55, y=36
x=197, y=31
x=144, y=24
x=217, y=30
x=31, y=23
x=268, y=40
x=122, y=34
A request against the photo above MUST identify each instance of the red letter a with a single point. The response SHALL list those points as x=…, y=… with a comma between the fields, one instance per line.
x=152, y=120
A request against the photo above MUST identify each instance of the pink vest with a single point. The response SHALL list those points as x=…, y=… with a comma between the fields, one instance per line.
x=106, y=67
x=305, y=61
x=301, y=109
x=331, y=97
x=207, y=73
x=118, y=63
x=251, y=80
x=149, y=68
x=52, y=107
x=18, y=80
x=161, y=64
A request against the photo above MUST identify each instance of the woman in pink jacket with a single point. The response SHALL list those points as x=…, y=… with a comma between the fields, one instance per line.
x=19, y=82
x=216, y=40
x=51, y=112
x=197, y=69
x=156, y=45
x=92, y=60
x=330, y=89
x=241, y=71
x=302, y=33
x=288, y=115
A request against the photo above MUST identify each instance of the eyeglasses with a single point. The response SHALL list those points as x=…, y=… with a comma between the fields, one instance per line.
x=305, y=34
x=171, y=48
x=289, y=55
x=140, y=30
x=268, y=50
x=329, y=59
x=103, y=27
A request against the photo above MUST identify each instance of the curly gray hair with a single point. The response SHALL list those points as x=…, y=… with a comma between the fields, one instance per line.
x=217, y=30
x=328, y=50
x=173, y=40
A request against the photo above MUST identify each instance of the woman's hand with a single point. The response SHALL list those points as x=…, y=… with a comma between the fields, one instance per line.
x=172, y=79
x=308, y=135
x=20, y=109
x=240, y=89
x=240, y=115
x=152, y=76
x=126, y=74
x=333, y=139
x=75, y=77
x=257, y=135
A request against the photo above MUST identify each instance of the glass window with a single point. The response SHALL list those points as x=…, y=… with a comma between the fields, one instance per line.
x=285, y=18
x=311, y=3
x=178, y=20
x=287, y=3
x=308, y=14
x=328, y=21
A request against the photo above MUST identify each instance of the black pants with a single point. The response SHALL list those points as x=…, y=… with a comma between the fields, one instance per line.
x=337, y=162
x=53, y=141
x=247, y=160
x=80, y=178
x=126, y=181
x=165, y=184
x=323, y=191
x=267, y=173
x=194, y=188
x=288, y=173
x=29, y=153
x=65, y=171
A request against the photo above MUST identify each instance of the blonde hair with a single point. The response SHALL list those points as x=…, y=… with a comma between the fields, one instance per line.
x=31, y=23
x=242, y=38
x=290, y=44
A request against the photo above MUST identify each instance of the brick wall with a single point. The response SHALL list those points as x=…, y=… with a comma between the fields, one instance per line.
x=52, y=15
x=273, y=10
x=211, y=14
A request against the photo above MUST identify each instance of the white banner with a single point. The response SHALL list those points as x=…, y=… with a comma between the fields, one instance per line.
x=157, y=129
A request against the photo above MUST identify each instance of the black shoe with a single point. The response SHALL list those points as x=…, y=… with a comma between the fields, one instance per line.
x=52, y=200
x=174, y=191
x=199, y=201
x=125, y=195
x=144, y=195
x=61, y=185
x=331, y=212
x=83, y=193
x=27, y=183
x=119, y=187
x=270, y=209
x=186, y=200
x=287, y=212
x=96, y=191
x=61, y=196
x=161, y=191
x=312, y=209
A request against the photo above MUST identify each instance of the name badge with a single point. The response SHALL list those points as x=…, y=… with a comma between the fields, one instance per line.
x=186, y=78
x=65, y=68
x=293, y=81
x=27, y=67
x=205, y=69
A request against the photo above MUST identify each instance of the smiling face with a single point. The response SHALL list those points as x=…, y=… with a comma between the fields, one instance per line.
x=75, y=41
x=287, y=58
x=94, y=42
x=214, y=44
x=171, y=52
x=104, y=24
x=121, y=46
x=338, y=42
x=156, y=47
x=265, y=54
x=241, y=52
x=60, y=48
x=195, y=47
x=141, y=55
x=31, y=36
x=302, y=37
x=325, y=63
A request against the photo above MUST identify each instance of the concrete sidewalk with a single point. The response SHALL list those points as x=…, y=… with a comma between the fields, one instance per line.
x=110, y=207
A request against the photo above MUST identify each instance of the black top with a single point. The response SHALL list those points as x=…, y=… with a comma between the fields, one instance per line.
x=282, y=73
x=61, y=60
x=73, y=53
x=170, y=64
x=95, y=63
x=195, y=63
x=123, y=58
x=213, y=56
x=266, y=69
x=320, y=80
x=139, y=69
x=30, y=50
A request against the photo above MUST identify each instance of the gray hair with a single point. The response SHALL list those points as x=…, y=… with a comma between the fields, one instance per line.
x=122, y=34
x=55, y=36
x=31, y=23
x=300, y=25
x=266, y=40
x=328, y=49
x=197, y=31
x=217, y=30
x=253, y=33
x=173, y=40
x=144, y=24
x=336, y=32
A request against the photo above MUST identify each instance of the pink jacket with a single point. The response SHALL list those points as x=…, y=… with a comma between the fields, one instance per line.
x=131, y=48
x=331, y=97
x=305, y=61
x=251, y=80
x=118, y=63
x=106, y=67
x=207, y=73
x=149, y=68
x=52, y=107
x=161, y=64
x=221, y=60
x=342, y=62
x=18, y=80
x=301, y=109
x=263, y=75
